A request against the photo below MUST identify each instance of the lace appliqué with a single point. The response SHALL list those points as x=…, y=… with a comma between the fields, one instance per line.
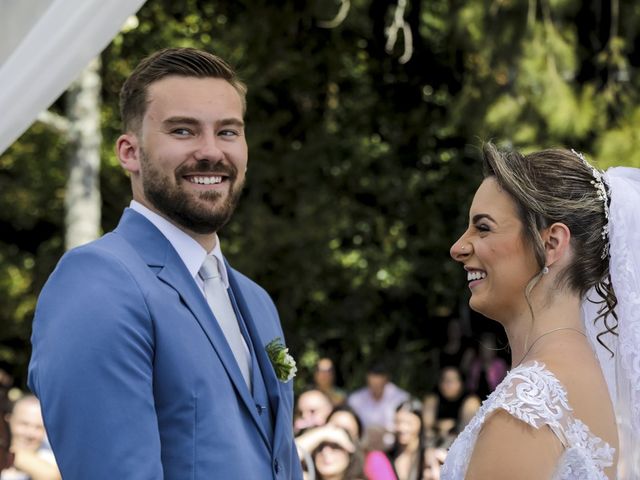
x=534, y=395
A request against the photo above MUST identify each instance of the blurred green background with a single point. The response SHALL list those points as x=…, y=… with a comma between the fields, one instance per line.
x=364, y=154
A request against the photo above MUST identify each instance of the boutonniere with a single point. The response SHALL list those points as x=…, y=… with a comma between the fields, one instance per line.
x=283, y=363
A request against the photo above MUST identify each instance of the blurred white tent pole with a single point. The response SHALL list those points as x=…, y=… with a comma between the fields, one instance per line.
x=51, y=42
x=82, y=200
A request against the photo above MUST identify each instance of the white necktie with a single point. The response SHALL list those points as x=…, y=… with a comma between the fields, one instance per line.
x=220, y=304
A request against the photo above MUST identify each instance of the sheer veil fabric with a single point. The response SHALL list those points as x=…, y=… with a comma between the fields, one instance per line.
x=52, y=41
x=622, y=371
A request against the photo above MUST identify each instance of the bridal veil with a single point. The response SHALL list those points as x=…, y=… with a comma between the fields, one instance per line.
x=622, y=370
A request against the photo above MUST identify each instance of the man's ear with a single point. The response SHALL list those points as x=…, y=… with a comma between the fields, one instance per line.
x=557, y=239
x=128, y=151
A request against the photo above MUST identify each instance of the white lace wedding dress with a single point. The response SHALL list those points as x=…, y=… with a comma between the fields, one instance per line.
x=532, y=394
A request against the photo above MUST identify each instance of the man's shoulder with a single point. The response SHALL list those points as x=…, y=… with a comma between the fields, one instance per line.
x=108, y=257
x=109, y=245
x=359, y=395
x=395, y=393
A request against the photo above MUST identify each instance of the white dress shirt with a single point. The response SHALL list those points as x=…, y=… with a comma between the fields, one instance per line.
x=189, y=250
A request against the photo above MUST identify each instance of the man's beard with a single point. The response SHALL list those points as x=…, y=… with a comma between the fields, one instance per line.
x=203, y=215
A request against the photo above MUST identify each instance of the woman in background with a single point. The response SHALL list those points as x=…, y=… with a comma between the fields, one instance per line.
x=453, y=406
x=376, y=463
x=407, y=453
x=330, y=454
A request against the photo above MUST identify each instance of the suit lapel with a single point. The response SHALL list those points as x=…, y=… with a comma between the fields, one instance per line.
x=159, y=253
x=271, y=382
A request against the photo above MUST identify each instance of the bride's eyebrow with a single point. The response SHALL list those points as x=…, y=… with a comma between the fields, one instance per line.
x=480, y=216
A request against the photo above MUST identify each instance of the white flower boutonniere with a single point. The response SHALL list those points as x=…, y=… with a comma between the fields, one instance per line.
x=283, y=363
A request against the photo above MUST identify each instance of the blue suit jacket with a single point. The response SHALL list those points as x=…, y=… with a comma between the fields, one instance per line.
x=136, y=379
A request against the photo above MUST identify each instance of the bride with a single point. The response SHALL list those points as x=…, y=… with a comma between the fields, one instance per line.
x=546, y=236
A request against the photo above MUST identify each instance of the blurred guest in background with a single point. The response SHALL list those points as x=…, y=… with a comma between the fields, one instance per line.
x=331, y=454
x=454, y=406
x=343, y=416
x=376, y=404
x=324, y=378
x=32, y=459
x=376, y=464
x=6, y=456
x=407, y=453
x=6, y=382
x=433, y=460
x=486, y=369
x=456, y=350
x=312, y=409
x=429, y=420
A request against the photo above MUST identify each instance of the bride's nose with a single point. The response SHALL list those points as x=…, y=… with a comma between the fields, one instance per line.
x=461, y=249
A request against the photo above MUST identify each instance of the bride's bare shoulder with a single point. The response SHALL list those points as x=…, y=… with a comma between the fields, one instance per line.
x=577, y=369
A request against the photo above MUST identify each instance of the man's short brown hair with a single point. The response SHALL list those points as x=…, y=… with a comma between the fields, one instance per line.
x=183, y=62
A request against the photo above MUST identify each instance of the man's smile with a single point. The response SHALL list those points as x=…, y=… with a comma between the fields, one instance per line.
x=205, y=179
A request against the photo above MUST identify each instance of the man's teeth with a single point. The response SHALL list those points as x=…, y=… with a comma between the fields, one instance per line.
x=475, y=275
x=205, y=180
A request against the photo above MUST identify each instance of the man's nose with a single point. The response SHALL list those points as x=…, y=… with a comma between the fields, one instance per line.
x=209, y=148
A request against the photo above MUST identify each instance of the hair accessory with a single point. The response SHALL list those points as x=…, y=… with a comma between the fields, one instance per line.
x=601, y=188
x=545, y=270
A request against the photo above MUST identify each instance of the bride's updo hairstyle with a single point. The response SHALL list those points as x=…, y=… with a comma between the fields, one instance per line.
x=552, y=186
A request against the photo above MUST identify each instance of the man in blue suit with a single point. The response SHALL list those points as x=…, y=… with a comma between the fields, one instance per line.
x=141, y=371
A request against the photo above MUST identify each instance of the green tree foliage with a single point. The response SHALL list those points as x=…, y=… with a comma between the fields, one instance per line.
x=361, y=167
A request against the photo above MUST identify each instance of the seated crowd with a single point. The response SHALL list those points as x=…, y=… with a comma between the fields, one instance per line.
x=382, y=432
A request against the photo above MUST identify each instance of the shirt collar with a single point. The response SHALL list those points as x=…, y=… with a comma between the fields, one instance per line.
x=189, y=250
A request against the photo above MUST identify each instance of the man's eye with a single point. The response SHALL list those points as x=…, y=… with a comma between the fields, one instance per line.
x=183, y=132
x=228, y=133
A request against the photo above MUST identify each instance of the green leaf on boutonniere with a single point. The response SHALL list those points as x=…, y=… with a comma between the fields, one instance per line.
x=283, y=363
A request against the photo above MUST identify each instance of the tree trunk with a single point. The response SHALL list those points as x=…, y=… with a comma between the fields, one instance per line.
x=82, y=201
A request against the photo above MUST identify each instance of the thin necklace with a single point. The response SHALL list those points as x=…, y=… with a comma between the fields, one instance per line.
x=544, y=335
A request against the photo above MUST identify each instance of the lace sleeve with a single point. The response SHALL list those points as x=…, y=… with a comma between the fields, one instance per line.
x=534, y=396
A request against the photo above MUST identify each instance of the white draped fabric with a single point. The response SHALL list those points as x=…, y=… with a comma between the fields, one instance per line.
x=622, y=371
x=45, y=44
x=16, y=19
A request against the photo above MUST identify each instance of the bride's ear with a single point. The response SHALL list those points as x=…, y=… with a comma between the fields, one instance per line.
x=557, y=239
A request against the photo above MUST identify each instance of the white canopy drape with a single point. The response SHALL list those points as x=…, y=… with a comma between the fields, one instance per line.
x=44, y=44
